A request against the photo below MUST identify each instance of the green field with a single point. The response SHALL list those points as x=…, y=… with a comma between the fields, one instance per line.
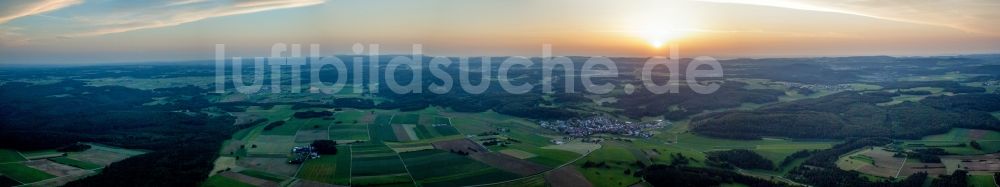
x=349, y=132
x=276, y=113
x=349, y=117
x=375, y=160
x=222, y=181
x=396, y=180
x=981, y=181
x=532, y=181
x=23, y=174
x=40, y=154
x=7, y=155
x=988, y=139
x=777, y=153
x=263, y=175
x=75, y=163
x=293, y=125
x=332, y=169
x=470, y=125
x=618, y=159
x=442, y=168
x=446, y=130
x=381, y=130
x=406, y=119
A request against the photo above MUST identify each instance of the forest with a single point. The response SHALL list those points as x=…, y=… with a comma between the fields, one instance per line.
x=854, y=114
x=741, y=158
x=183, y=144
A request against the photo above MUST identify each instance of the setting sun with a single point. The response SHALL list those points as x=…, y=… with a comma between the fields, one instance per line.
x=658, y=37
x=661, y=25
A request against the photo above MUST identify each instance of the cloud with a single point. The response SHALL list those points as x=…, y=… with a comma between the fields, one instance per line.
x=978, y=16
x=11, y=36
x=172, y=13
x=13, y=9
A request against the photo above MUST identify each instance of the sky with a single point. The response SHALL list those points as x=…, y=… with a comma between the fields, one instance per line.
x=105, y=31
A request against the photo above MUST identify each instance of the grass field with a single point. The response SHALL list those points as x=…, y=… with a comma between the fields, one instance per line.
x=222, y=181
x=352, y=117
x=470, y=125
x=275, y=113
x=75, y=163
x=449, y=169
x=270, y=145
x=446, y=130
x=293, y=125
x=532, y=181
x=375, y=160
x=41, y=154
x=617, y=158
x=7, y=155
x=349, y=132
x=381, y=130
x=981, y=181
x=777, y=153
x=23, y=174
x=874, y=161
x=263, y=175
x=477, y=177
x=774, y=149
x=408, y=118
x=989, y=140
x=396, y=180
x=332, y=169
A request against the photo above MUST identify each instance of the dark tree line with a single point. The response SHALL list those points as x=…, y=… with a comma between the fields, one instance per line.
x=663, y=175
x=820, y=169
x=740, y=158
x=183, y=143
x=853, y=114
x=312, y=114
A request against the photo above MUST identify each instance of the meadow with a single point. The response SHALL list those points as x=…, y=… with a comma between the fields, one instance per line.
x=441, y=168
x=331, y=169
x=23, y=173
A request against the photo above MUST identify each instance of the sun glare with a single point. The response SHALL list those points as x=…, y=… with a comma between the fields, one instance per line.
x=661, y=25
x=658, y=37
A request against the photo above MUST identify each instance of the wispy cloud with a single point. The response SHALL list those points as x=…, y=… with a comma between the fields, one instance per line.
x=978, y=16
x=172, y=13
x=13, y=9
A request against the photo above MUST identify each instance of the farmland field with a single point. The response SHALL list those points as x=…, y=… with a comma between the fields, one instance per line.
x=331, y=169
x=270, y=145
x=617, y=158
x=278, y=166
x=263, y=175
x=75, y=163
x=23, y=174
x=7, y=155
x=407, y=118
x=981, y=181
x=874, y=161
x=222, y=181
x=956, y=140
x=441, y=167
x=381, y=130
x=40, y=154
x=375, y=160
x=349, y=132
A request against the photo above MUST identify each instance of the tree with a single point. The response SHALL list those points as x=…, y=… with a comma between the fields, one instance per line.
x=325, y=147
x=975, y=145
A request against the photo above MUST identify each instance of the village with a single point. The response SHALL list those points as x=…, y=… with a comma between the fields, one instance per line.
x=584, y=127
